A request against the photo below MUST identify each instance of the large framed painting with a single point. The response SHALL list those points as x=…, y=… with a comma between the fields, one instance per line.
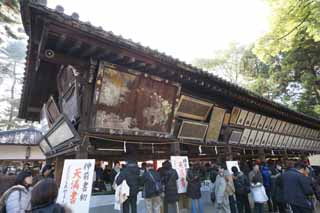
x=193, y=130
x=193, y=108
x=129, y=102
x=215, y=124
x=235, y=137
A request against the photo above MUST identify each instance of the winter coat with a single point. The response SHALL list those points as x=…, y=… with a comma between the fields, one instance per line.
x=48, y=208
x=194, y=184
x=131, y=174
x=169, y=179
x=266, y=175
x=241, y=184
x=220, y=186
x=297, y=188
x=278, y=189
x=149, y=179
x=19, y=201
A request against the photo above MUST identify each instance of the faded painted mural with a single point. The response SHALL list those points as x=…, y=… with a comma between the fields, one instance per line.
x=131, y=101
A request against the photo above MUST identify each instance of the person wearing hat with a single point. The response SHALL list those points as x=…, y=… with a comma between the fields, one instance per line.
x=18, y=197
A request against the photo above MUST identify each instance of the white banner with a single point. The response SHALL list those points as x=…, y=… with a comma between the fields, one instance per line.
x=76, y=185
x=231, y=164
x=181, y=164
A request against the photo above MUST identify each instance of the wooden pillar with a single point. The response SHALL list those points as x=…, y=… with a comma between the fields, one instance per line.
x=228, y=151
x=58, y=169
x=175, y=149
x=82, y=149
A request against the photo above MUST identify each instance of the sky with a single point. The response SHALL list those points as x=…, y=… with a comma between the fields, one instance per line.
x=186, y=29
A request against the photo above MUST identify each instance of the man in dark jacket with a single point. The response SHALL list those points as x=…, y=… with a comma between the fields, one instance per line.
x=266, y=175
x=131, y=174
x=242, y=187
x=169, y=179
x=193, y=189
x=297, y=188
x=152, y=189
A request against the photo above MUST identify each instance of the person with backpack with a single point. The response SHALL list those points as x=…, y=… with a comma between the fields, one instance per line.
x=17, y=199
x=131, y=173
x=152, y=189
x=242, y=188
x=169, y=179
x=193, y=188
x=266, y=176
x=44, y=195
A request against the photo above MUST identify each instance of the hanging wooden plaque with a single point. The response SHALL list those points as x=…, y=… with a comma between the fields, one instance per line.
x=242, y=117
x=283, y=125
x=215, y=124
x=267, y=123
x=252, y=137
x=226, y=119
x=258, y=139
x=192, y=130
x=275, y=140
x=264, y=139
x=300, y=129
x=249, y=119
x=267, y=139
x=70, y=103
x=291, y=129
x=294, y=129
x=277, y=127
x=303, y=133
x=281, y=141
x=192, y=108
x=255, y=121
x=235, y=137
x=286, y=128
x=272, y=125
x=52, y=110
x=295, y=143
x=285, y=142
x=290, y=141
x=234, y=115
x=245, y=136
x=261, y=122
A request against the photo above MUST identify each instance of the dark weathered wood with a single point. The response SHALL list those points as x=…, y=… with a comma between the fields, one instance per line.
x=59, y=162
x=60, y=59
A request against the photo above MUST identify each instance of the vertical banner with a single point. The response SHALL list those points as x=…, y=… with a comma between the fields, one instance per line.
x=181, y=164
x=231, y=164
x=76, y=185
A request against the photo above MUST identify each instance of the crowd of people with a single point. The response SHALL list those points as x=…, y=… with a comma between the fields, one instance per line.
x=268, y=186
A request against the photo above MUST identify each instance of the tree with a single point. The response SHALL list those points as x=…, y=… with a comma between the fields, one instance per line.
x=292, y=48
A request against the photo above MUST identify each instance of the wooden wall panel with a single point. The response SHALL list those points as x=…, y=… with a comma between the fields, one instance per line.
x=215, y=124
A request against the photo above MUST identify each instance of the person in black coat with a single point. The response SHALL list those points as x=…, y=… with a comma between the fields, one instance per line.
x=43, y=198
x=193, y=189
x=152, y=189
x=242, y=188
x=131, y=174
x=297, y=188
x=169, y=177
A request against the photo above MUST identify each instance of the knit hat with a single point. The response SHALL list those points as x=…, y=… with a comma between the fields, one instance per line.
x=21, y=176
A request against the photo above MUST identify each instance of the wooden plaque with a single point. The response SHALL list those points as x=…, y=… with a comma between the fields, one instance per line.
x=235, y=137
x=291, y=126
x=70, y=103
x=285, y=143
x=289, y=145
x=272, y=125
x=215, y=124
x=280, y=141
x=275, y=140
x=242, y=117
x=189, y=107
x=265, y=139
x=261, y=122
x=300, y=143
x=277, y=127
x=234, y=115
x=252, y=137
x=295, y=143
x=249, y=119
x=52, y=110
x=226, y=119
x=270, y=139
x=294, y=129
x=258, y=139
x=44, y=120
x=300, y=129
x=310, y=133
x=255, y=121
x=267, y=124
x=283, y=124
x=313, y=133
x=304, y=131
x=193, y=130
x=286, y=128
x=245, y=136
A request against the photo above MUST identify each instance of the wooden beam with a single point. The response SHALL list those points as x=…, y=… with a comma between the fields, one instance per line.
x=62, y=59
x=75, y=47
x=89, y=51
x=41, y=46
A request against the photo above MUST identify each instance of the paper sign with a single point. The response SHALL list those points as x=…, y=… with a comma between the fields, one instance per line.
x=231, y=164
x=76, y=185
x=181, y=164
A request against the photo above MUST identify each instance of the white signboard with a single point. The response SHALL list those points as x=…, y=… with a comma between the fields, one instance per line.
x=231, y=164
x=181, y=164
x=76, y=185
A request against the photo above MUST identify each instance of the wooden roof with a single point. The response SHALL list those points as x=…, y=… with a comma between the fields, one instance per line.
x=48, y=28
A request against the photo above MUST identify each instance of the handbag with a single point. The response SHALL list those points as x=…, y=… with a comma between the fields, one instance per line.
x=259, y=194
